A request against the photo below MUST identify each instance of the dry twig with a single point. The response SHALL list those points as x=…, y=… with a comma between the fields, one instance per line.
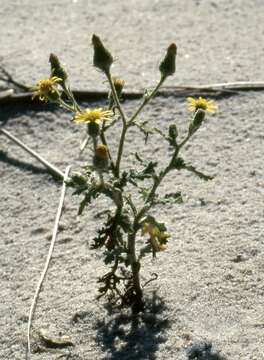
x=44, y=272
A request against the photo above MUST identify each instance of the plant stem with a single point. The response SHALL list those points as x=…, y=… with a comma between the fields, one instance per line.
x=116, y=99
x=70, y=95
x=124, y=128
x=157, y=182
x=103, y=139
x=65, y=105
x=135, y=267
x=120, y=150
x=146, y=100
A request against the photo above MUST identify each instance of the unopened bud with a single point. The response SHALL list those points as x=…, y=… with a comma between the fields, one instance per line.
x=173, y=131
x=168, y=64
x=102, y=57
x=56, y=68
x=118, y=84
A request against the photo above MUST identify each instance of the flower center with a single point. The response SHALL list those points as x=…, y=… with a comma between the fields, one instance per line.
x=201, y=105
x=93, y=115
x=45, y=85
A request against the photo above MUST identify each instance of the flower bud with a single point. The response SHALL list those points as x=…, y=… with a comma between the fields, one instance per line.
x=198, y=119
x=168, y=64
x=56, y=68
x=118, y=84
x=100, y=159
x=102, y=57
x=173, y=131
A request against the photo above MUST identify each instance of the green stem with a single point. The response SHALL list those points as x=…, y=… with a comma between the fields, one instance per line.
x=65, y=105
x=124, y=128
x=103, y=139
x=94, y=138
x=184, y=141
x=120, y=150
x=71, y=97
x=157, y=182
x=146, y=100
x=116, y=99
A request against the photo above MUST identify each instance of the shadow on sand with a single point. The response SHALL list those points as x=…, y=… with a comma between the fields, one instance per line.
x=134, y=337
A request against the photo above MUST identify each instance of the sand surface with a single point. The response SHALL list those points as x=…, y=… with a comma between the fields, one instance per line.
x=211, y=278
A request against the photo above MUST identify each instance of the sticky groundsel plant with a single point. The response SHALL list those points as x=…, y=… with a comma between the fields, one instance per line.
x=126, y=222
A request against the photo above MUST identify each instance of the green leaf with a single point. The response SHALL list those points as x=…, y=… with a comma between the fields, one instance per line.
x=180, y=164
x=138, y=158
x=199, y=173
x=91, y=194
x=147, y=173
x=170, y=198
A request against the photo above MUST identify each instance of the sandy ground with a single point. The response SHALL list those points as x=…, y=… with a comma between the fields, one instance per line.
x=211, y=278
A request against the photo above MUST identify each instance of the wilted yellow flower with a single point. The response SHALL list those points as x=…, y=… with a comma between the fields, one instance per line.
x=157, y=238
x=92, y=116
x=201, y=103
x=149, y=228
x=46, y=89
x=100, y=159
x=101, y=151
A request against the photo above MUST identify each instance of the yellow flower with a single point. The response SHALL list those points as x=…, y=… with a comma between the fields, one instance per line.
x=46, y=89
x=92, y=116
x=201, y=103
x=119, y=84
x=157, y=238
x=149, y=228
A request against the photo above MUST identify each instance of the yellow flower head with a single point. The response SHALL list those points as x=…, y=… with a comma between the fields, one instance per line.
x=119, y=84
x=149, y=228
x=92, y=116
x=201, y=103
x=157, y=238
x=46, y=89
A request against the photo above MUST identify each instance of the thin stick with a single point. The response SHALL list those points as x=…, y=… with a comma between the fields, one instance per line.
x=180, y=90
x=44, y=272
x=236, y=85
x=47, y=164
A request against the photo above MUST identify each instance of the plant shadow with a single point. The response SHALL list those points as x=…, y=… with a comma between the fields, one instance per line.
x=203, y=350
x=128, y=336
x=25, y=166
